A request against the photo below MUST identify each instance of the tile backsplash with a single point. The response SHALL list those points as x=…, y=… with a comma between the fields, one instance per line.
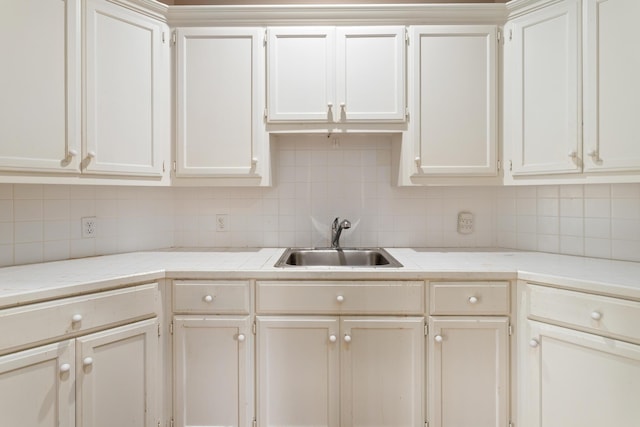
x=318, y=178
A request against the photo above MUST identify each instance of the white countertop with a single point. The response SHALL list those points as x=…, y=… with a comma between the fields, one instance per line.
x=36, y=282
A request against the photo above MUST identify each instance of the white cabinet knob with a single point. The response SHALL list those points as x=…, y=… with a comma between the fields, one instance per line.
x=438, y=338
x=330, y=105
x=241, y=337
x=340, y=298
x=72, y=152
x=343, y=105
x=347, y=338
x=596, y=315
x=65, y=367
x=76, y=318
x=91, y=154
x=534, y=343
x=87, y=361
x=333, y=338
x=573, y=154
x=473, y=300
x=208, y=298
x=254, y=162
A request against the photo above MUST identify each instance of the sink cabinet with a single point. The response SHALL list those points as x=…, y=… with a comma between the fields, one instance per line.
x=359, y=368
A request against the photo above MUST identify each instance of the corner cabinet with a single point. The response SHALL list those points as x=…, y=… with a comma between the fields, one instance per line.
x=454, y=106
x=220, y=104
x=336, y=74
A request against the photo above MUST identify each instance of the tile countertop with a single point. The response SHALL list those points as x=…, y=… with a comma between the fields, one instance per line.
x=36, y=282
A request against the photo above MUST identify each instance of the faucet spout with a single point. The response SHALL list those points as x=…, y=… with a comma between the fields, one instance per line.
x=336, y=231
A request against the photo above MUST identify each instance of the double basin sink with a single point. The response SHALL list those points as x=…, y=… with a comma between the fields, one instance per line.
x=337, y=257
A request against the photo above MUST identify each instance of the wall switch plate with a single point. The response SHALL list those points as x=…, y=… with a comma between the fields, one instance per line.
x=89, y=226
x=465, y=223
x=221, y=222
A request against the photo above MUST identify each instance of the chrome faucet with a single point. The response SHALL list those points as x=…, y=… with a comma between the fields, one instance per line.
x=336, y=230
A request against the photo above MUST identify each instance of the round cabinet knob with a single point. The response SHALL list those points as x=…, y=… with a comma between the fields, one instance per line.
x=333, y=338
x=241, y=337
x=596, y=315
x=65, y=367
x=340, y=298
x=208, y=298
x=91, y=154
x=573, y=154
x=87, y=361
x=347, y=338
x=343, y=105
x=438, y=338
x=473, y=300
x=76, y=318
x=330, y=105
x=534, y=343
x=73, y=153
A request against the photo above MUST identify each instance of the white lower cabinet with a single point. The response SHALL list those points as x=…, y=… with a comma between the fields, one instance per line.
x=102, y=379
x=333, y=371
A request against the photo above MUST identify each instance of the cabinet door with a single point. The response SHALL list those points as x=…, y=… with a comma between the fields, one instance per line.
x=300, y=63
x=382, y=372
x=220, y=101
x=297, y=371
x=574, y=378
x=40, y=85
x=370, y=73
x=122, y=123
x=212, y=371
x=611, y=86
x=454, y=74
x=468, y=372
x=116, y=372
x=542, y=60
x=37, y=387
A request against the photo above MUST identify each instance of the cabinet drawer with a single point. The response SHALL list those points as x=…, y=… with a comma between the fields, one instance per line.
x=220, y=297
x=343, y=297
x=72, y=316
x=606, y=316
x=482, y=297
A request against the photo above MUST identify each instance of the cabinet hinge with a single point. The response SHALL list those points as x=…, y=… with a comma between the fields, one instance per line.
x=266, y=113
x=499, y=165
x=174, y=165
x=426, y=424
x=254, y=328
x=171, y=328
x=174, y=38
x=426, y=329
x=510, y=424
x=406, y=113
x=171, y=423
x=163, y=166
x=406, y=36
x=499, y=36
x=158, y=329
x=510, y=165
x=254, y=423
x=510, y=35
x=510, y=330
x=264, y=40
x=163, y=38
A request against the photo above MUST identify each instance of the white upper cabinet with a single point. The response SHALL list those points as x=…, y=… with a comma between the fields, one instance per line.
x=611, y=86
x=336, y=74
x=542, y=59
x=123, y=120
x=220, y=101
x=454, y=100
x=39, y=82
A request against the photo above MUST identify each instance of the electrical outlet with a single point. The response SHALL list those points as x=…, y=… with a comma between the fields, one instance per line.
x=89, y=226
x=465, y=223
x=221, y=222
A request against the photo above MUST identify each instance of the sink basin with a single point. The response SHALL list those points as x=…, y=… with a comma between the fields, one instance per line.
x=344, y=257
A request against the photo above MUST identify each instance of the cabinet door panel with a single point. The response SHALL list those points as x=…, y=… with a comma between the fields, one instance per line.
x=468, y=371
x=116, y=377
x=297, y=377
x=301, y=73
x=40, y=86
x=455, y=70
x=382, y=372
x=611, y=86
x=122, y=91
x=212, y=371
x=575, y=378
x=34, y=391
x=542, y=58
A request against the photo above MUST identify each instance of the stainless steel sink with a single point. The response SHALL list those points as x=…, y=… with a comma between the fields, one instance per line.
x=342, y=257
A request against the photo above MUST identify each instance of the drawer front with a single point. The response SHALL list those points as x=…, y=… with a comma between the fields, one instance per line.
x=72, y=316
x=343, y=297
x=606, y=316
x=462, y=298
x=212, y=297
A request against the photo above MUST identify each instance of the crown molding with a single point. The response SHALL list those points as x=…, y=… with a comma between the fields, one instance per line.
x=516, y=8
x=151, y=8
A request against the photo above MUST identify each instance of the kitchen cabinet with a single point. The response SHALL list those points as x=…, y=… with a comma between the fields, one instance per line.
x=220, y=104
x=453, y=102
x=213, y=356
x=570, y=85
x=336, y=74
x=40, y=86
x=315, y=367
x=468, y=354
x=85, y=361
x=579, y=358
x=125, y=98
